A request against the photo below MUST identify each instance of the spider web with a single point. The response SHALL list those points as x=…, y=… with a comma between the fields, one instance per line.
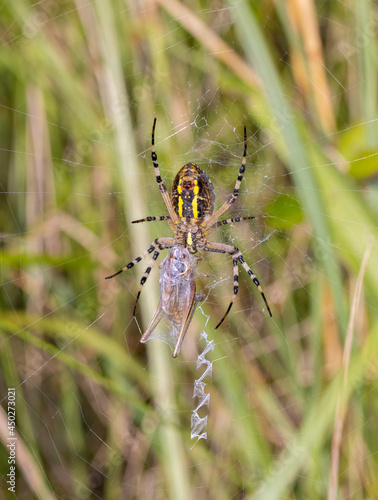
x=91, y=401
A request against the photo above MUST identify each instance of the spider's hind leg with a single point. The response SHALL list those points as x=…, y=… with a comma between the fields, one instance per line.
x=226, y=205
x=163, y=189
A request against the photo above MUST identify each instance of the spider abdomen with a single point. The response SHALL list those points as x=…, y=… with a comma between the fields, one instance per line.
x=192, y=193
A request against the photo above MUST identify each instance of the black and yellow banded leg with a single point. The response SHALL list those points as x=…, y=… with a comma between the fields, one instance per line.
x=255, y=280
x=153, y=219
x=145, y=276
x=236, y=290
x=227, y=221
x=241, y=170
x=237, y=255
x=226, y=205
x=163, y=189
x=160, y=243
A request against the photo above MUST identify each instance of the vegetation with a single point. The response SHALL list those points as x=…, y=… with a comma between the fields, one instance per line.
x=293, y=399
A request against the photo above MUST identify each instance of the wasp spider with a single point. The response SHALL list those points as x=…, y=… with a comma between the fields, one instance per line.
x=191, y=220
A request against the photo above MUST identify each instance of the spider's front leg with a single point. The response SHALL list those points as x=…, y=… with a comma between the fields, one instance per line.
x=156, y=246
x=236, y=290
x=237, y=258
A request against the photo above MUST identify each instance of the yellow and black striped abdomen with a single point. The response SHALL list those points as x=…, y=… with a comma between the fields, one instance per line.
x=193, y=193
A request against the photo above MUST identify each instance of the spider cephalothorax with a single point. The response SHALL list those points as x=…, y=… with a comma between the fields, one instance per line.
x=191, y=220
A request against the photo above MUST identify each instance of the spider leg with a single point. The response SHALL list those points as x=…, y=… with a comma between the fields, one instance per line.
x=226, y=205
x=153, y=218
x=150, y=219
x=255, y=280
x=238, y=257
x=163, y=189
x=159, y=242
x=236, y=290
x=145, y=276
x=227, y=221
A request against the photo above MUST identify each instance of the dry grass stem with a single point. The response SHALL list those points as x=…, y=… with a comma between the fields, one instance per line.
x=305, y=16
x=211, y=41
x=342, y=401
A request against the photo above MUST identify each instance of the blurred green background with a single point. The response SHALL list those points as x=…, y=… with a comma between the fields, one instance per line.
x=98, y=414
